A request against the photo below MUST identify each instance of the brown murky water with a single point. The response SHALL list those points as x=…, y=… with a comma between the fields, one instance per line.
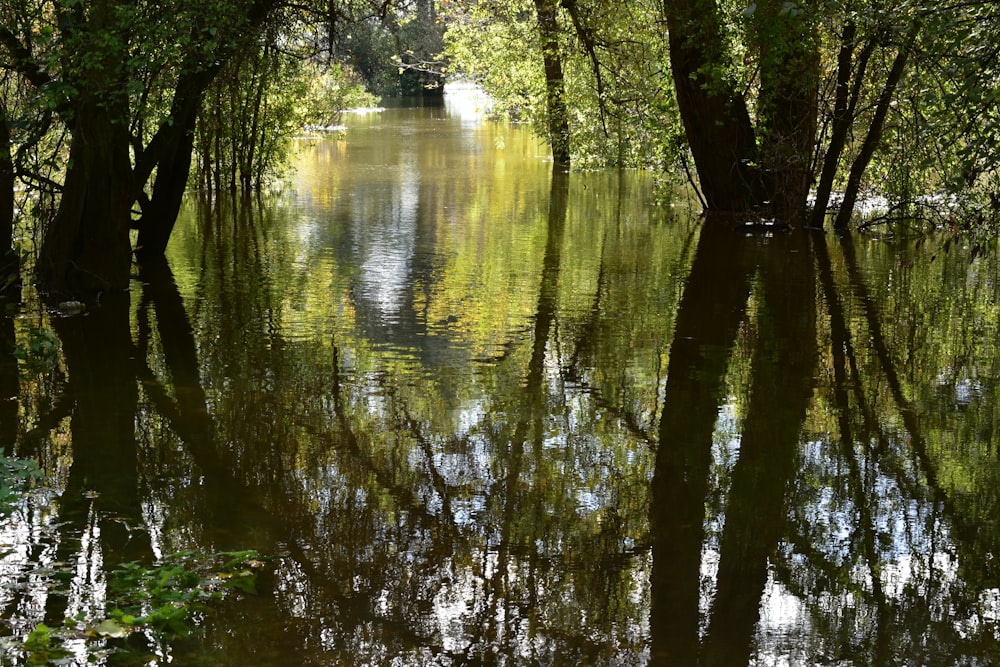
x=480, y=415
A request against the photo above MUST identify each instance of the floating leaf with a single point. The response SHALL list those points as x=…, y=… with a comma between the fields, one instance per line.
x=111, y=628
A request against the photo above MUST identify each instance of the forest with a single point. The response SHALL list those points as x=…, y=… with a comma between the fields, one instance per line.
x=454, y=332
x=792, y=113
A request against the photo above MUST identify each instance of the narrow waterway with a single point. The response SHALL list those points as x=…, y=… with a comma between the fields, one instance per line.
x=476, y=413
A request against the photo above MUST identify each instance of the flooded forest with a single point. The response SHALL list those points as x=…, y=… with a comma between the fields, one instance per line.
x=444, y=405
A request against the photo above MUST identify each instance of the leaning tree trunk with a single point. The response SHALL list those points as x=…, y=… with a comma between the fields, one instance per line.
x=875, y=129
x=86, y=249
x=172, y=169
x=169, y=153
x=851, y=74
x=716, y=121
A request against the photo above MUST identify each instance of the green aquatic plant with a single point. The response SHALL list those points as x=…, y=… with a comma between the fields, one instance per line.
x=163, y=601
x=166, y=595
x=16, y=476
x=37, y=349
x=40, y=648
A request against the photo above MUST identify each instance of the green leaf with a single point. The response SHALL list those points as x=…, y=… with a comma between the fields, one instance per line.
x=111, y=628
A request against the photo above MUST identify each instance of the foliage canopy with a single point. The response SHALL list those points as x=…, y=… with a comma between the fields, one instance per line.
x=100, y=105
x=784, y=107
x=786, y=110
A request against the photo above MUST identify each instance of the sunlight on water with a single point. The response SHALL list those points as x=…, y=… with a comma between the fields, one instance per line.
x=466, y=102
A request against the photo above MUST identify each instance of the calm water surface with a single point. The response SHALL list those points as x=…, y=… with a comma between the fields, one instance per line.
x=478, y=414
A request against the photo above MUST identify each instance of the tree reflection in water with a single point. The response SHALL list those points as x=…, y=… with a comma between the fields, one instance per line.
x=780, y=387
x=587, y=433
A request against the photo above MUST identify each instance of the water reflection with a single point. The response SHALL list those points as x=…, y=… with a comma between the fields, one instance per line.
x=9, y=384
x=481, y=413
x=711, y=617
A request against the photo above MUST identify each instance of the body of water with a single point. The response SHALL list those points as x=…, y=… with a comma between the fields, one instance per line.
x=471, y=412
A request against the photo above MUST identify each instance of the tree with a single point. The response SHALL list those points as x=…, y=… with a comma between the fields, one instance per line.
x=846, y=69
x=419, y=44
x=618, y=104
x=555, y=92
x=246, y=115
x=7, y=266
x=127, y=81
x=785, y=106
x=716, y=119
x=849, y=96
x=396, y=50
x=88, y=242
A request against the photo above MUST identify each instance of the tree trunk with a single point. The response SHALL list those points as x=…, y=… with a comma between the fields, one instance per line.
x=845, y=104
x=9, y=265
x=716, y=121
x=172, y=170
x=170, y=152
x=788, y=106
x=875, y=129
x=87, y=249
x=555, y=88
